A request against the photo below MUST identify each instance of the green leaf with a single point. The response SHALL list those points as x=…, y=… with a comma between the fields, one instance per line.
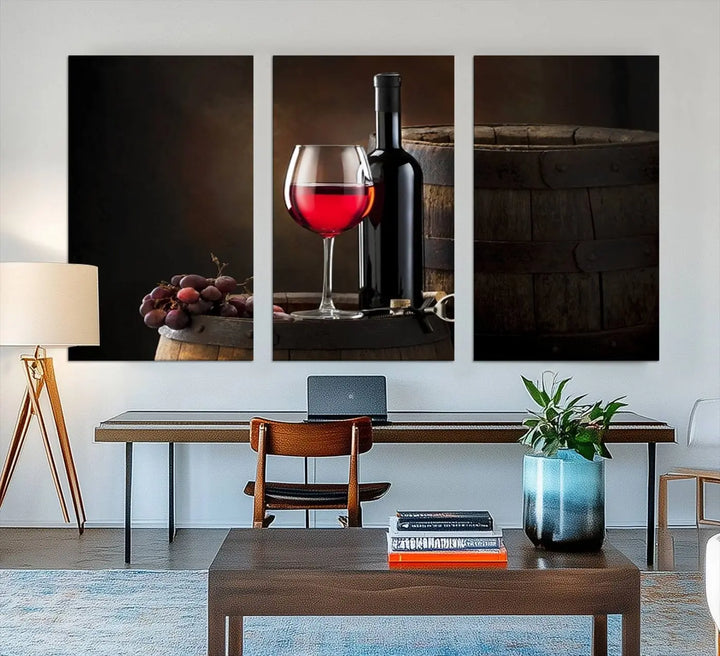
x=534, y=392
x=595, y=412
x=587, y=451
x=586, y=436
x=576, y=400
x=612, y=407
x=558, y=394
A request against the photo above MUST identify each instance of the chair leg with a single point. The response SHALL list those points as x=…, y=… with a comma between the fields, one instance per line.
x=700, y=501
x=662, y=502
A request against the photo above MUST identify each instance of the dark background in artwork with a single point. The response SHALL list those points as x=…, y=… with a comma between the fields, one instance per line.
x=331, y=100
x=607, y=91
x=566, y=314
x=160, y=176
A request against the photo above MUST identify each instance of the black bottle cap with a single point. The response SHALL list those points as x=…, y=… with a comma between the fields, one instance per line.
x=387, y=92
x=387, y=80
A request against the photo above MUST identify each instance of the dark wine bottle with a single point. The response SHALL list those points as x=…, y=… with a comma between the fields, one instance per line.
x=391, y=236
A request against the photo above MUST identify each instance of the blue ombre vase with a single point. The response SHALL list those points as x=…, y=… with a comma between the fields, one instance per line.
x=564, y=501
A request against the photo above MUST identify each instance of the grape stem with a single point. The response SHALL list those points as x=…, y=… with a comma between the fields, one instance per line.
x=220, y=265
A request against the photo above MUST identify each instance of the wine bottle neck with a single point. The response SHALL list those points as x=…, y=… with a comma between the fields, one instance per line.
x=387, y=116
x=387, y=129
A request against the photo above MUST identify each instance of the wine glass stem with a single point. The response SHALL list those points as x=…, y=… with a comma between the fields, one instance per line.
x=327, y=303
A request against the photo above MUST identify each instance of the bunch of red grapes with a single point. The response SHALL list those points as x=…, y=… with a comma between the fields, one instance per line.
x=172, y=304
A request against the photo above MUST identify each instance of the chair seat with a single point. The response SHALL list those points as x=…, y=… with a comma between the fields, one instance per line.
x=315, y=495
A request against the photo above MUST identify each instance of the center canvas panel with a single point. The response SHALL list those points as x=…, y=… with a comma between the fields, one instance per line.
x=363, y=208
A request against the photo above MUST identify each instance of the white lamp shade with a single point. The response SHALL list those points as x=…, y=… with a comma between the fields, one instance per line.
x=48, y=304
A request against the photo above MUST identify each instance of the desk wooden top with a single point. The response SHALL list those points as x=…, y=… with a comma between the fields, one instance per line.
x=402, y=427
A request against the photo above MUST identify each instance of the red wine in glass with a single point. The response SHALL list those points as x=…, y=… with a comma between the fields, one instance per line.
x=328, y=190
x=329, y=209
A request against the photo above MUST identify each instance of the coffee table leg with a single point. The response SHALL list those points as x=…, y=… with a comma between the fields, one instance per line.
x=216, y=634
x=599, y=635
x=235, y=636
x=631, y=632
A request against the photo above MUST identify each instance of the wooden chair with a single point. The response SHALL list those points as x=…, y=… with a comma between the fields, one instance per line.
x=349, y=437
x=703, y=427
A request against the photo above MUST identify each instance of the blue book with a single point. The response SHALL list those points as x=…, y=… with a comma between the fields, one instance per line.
x=442, y=520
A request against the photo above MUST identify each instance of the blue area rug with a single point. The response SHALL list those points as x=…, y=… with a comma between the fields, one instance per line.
x=163, y=613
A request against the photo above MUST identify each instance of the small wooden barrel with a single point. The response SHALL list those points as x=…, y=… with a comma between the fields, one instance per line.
x=207, y=338
x=375, y=338
x=566, y=243
x=434, y=149
x=370, y=338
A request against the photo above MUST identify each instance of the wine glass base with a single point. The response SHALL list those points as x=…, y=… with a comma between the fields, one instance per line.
x=327, y=314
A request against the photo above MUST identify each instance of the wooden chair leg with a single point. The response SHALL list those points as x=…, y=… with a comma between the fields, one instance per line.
x=259, y=499
x=662, y=502
x=699, y=502
x=353, y=484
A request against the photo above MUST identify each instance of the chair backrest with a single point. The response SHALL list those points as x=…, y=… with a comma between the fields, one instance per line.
x=311, y=439
x=704, y=423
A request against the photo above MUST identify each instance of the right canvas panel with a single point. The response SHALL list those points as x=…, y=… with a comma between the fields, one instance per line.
x=566, y=208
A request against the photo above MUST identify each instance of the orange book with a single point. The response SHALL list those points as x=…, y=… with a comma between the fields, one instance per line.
x=447, y=565
x=449, y=557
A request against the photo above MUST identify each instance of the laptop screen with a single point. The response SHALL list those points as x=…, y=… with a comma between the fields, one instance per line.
x=341, y=397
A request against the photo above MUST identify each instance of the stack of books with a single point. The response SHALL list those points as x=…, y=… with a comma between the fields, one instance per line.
x=462, y=537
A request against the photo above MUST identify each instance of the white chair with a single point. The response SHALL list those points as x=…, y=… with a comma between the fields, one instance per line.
x=703, y=430
x=712, y=583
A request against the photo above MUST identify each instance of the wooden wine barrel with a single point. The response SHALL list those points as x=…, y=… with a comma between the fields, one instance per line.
x=566, y=243
x=207, y=338
x=433, y=147
x=566, y=238
x=370, y=338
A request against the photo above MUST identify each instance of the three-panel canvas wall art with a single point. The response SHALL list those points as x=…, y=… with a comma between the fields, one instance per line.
x=564, y=221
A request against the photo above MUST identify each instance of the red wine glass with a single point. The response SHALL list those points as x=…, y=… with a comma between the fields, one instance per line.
x=328, y=190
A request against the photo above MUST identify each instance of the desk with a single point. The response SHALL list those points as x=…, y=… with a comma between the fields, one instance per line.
x=402, y=428
x=280, y=572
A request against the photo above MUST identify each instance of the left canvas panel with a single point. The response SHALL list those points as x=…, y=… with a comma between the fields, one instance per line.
x=160, y=186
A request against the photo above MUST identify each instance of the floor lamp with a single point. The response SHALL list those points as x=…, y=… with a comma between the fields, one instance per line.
x=64, y=314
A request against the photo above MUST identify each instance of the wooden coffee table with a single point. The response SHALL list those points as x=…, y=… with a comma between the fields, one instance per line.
x=270, y=572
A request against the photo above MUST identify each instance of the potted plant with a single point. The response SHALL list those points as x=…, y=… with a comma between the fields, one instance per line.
x=564, y=474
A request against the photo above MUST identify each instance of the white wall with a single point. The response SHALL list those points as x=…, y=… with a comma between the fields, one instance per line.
x=37, y=37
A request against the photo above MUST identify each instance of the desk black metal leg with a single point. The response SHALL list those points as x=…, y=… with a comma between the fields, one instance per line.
x=651, y=504
x=307, y=512
x=128, y=496
x=171, y=491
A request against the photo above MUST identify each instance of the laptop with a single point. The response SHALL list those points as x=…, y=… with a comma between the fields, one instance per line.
x=330, y=398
